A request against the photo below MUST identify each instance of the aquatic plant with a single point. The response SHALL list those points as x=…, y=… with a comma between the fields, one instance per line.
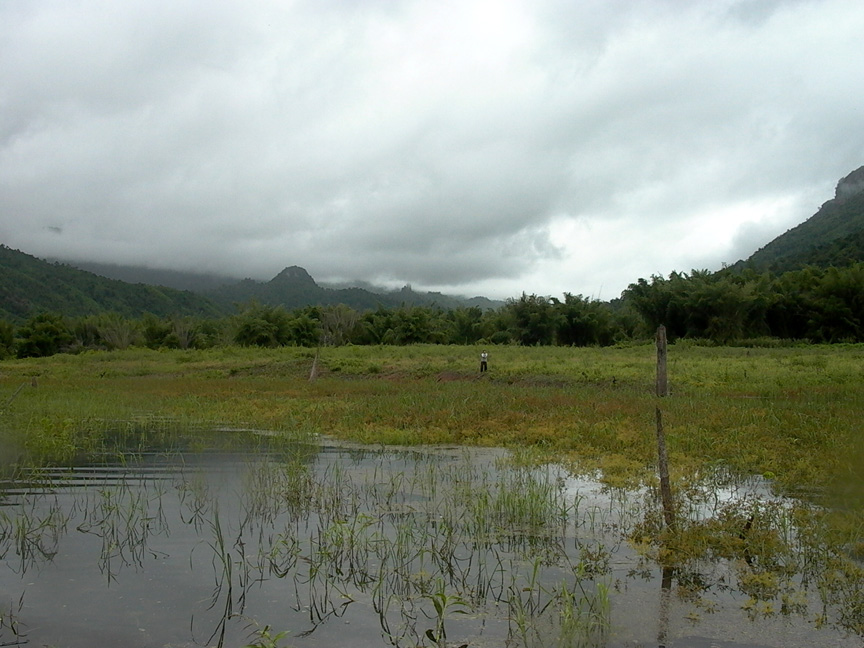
x=264, y=638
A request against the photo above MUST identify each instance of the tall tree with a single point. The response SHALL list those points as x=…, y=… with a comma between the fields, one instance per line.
x=534, y=321
x=582, y=321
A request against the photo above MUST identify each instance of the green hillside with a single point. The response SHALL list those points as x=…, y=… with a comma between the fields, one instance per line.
x=833, y=236
x=840, y=252
x=29, y=286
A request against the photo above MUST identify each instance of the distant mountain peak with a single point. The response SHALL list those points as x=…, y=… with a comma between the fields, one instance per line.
x=851, y=185
x=294, y=274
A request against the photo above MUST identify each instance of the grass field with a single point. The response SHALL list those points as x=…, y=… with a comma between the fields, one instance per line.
x=793, y=414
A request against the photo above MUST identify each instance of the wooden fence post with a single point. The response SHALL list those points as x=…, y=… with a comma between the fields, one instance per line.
x=662, y=378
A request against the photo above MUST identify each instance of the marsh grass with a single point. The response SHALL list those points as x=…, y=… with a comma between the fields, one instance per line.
x=9, y=621
x=779, y=553
x=408, y=538
x=435, y=542
x=790, y=414
x=30, y=537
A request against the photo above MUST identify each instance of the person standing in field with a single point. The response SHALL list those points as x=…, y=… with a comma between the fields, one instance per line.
x=484, y=358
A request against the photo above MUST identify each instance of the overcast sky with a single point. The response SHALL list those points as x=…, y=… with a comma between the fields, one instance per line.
x=473, y=147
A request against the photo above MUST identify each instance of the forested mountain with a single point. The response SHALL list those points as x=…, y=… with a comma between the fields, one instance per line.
x=295, y=288
x=833, y=236
x=177, y=279
x=291, y=288
x=29, y=285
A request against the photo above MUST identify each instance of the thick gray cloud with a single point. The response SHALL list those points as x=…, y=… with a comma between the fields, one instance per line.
x=475, y=147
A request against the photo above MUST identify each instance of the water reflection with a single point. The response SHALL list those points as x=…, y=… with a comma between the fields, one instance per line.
x=347, y=546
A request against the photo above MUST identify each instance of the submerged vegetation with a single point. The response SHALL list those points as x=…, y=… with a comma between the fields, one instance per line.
x=428, y=547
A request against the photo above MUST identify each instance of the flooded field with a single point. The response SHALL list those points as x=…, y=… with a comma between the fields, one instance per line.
x=293, y=544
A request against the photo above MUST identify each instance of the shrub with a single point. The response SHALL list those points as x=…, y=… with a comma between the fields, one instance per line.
x=43, y=335
x=7, y=339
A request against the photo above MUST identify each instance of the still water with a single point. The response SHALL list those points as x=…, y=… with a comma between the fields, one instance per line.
x=326, y=545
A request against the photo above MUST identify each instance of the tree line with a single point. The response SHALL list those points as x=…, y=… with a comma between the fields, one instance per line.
x=529, y=320
x=821, y=305
x=726, y=307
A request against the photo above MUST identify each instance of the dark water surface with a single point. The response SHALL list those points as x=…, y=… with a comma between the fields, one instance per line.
x=347, y=547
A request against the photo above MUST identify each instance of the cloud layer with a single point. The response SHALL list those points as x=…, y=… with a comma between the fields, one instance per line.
x=475, y=147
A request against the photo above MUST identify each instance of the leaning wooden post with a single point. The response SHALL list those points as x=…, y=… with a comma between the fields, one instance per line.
x=662, y=458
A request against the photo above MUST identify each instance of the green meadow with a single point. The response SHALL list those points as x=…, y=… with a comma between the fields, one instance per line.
x=791, y=414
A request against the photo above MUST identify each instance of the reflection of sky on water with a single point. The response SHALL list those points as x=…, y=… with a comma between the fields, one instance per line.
x=132, y=554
